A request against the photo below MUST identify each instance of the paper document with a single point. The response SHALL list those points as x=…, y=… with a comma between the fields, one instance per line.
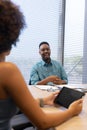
x=59, y=87
x=43, y=87
x=47, y=87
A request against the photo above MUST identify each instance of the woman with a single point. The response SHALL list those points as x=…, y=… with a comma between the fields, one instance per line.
x=13, y=88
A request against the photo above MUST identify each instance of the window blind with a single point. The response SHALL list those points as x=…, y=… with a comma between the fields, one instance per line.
x=74, y=39
x=43, y=24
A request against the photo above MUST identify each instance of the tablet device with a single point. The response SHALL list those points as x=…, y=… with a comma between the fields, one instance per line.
x=67, y=96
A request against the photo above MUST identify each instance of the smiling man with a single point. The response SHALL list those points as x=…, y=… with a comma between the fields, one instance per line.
x=47, y=71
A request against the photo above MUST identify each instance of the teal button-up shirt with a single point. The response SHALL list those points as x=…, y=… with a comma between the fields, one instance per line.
x=42, y=70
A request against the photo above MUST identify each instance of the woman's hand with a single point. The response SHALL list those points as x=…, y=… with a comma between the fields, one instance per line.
x=49, y=100
x=76, y=107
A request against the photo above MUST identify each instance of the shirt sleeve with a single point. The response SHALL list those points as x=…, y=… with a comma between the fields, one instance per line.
x=34, y=78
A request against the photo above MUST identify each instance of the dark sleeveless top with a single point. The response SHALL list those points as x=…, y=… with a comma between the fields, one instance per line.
x=7, y=110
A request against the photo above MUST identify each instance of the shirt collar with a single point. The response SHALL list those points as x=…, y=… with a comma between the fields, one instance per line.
x=46, y=64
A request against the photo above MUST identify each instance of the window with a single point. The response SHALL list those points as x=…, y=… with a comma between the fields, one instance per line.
x=43, y=18
x=74, y=39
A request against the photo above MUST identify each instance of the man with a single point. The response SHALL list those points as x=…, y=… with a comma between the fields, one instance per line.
x=47, y=71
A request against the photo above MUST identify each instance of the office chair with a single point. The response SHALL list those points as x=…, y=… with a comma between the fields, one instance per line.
x=20, y=122
x=29, y=82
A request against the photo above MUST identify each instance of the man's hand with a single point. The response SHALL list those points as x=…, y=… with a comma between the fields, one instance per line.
x=59, y=82
x=55, y=80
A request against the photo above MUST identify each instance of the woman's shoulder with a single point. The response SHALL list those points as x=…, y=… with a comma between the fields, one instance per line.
x=7, y=67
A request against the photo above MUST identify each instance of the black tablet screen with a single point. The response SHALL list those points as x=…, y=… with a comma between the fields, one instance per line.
x=67, y=96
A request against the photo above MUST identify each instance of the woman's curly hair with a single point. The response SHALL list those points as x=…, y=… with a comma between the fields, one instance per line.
x=11, y=24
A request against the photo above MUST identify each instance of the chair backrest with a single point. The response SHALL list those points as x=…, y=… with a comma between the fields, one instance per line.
x=29, y=82
x=20, y=122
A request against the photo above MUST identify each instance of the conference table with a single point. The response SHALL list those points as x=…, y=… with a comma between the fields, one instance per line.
x=75, y=123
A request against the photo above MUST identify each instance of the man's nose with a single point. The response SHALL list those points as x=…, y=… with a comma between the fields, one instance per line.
x=46, y=50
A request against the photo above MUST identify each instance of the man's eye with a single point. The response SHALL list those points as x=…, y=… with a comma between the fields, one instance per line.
x=45, y=50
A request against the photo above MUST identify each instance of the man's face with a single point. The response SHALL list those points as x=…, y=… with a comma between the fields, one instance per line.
x=45, y=51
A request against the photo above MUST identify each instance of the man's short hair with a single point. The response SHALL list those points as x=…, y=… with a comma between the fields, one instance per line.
x=43, y=43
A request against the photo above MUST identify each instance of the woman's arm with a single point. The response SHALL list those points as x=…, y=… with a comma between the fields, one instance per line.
x=14, y=85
